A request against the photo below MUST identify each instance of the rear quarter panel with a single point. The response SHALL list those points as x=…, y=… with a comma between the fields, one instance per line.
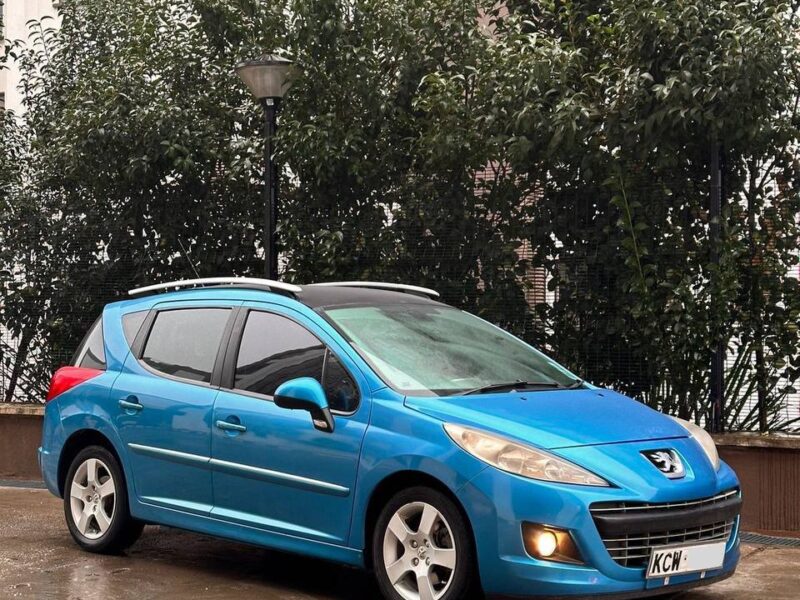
x=84, y=407
x=89, y=405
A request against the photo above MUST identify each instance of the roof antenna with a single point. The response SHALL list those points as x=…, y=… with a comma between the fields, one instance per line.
x=189, y=260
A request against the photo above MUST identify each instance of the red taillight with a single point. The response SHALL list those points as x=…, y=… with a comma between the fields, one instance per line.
x=67, y=378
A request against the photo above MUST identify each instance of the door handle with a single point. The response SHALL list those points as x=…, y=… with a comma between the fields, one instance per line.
x=131, y=403
x=228, y=426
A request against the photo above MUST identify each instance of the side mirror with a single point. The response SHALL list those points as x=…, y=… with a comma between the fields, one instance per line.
x=305, y=393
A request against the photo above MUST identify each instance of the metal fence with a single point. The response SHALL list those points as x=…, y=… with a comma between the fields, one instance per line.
x=27, y=361
x=29, y=355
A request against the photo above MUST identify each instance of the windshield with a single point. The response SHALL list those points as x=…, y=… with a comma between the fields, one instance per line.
x=422, y=349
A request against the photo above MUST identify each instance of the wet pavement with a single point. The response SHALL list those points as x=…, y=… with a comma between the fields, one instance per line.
x=38, y=560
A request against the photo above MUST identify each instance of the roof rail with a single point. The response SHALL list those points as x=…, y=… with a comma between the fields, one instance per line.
x=212, y=281
x=380, y=285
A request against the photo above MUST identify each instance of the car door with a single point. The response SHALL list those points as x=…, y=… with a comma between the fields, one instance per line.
x=272, y=468
x=165, y=398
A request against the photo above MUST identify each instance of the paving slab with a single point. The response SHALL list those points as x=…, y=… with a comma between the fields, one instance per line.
x=38, y=560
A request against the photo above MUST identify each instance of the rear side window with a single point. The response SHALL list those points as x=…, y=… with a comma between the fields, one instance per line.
x=131, y=324
x=275, y=349
x=91, y=353
x=184, y=343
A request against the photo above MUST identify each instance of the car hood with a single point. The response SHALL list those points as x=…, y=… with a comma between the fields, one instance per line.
x=555, y=418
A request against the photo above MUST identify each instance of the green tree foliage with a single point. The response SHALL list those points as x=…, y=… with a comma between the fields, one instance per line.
x=383, y=134
x=421, y=143
x=140, y=165
x=635, y=96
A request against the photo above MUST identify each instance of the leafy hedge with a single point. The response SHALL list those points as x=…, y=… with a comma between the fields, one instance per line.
x=423, y=143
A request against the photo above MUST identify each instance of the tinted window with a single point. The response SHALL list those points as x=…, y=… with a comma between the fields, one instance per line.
x=339, y=387
x=132, y=323
x=184, y=343
x=275, y=349
x=92, y=353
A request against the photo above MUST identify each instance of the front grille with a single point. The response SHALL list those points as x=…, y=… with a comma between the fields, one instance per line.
x=663, y=524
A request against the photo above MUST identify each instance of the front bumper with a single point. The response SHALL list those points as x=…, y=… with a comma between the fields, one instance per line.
x=497, y=504
x=637, y=595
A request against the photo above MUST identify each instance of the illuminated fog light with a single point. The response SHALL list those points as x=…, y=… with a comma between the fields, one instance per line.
x=546, y=544
x=550, y=543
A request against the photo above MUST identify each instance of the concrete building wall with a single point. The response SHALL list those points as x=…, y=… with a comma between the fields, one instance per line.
x=16, y=16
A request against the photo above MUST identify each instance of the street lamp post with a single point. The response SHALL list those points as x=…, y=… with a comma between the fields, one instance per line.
x=267, y=77
x=717, y=383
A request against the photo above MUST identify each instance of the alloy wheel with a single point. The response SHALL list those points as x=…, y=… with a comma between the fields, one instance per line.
x=419, y=554
x=93, y=496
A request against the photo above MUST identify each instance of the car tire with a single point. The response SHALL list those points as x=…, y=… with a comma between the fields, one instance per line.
x=96, y=503
x=422, y=548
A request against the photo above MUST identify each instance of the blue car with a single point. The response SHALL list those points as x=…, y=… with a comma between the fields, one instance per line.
x=369, y=424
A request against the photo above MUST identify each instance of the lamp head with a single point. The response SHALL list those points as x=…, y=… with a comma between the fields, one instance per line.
x=268, y=76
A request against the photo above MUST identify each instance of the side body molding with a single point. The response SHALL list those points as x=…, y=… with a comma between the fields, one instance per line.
x=222, y=466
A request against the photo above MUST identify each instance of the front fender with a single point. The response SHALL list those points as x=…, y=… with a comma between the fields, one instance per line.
x=402, y=440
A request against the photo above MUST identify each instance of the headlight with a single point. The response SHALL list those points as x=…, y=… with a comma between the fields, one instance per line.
x=702, y=437
x=520, y=460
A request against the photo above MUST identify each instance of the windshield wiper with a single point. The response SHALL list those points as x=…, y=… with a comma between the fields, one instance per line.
x=578, y=384
x=511, y=386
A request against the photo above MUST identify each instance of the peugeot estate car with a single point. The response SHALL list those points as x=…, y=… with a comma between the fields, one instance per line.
x=372, y=425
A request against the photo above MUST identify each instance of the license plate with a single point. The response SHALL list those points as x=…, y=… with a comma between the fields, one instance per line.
x=675, y=560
